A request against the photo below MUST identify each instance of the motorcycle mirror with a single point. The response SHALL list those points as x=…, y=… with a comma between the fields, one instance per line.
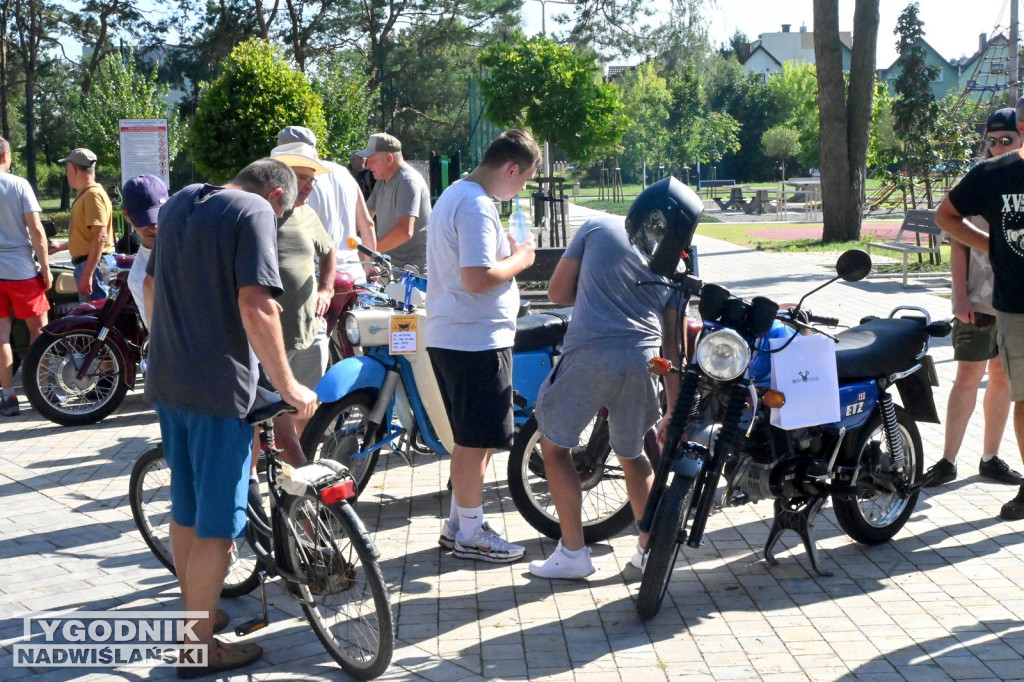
x=854, y=265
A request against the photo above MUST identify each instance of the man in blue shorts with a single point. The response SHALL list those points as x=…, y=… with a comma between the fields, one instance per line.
x=210, y=284
x=616, y=328
x=473, y=302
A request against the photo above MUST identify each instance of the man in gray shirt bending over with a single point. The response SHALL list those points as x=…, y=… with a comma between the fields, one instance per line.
x=400, y=201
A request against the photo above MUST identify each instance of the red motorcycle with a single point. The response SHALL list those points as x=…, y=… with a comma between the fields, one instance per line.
x=82, y=365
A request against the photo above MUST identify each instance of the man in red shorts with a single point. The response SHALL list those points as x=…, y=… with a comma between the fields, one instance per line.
x=23, y=280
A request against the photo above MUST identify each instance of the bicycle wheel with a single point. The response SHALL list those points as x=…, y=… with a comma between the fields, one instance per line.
x=663, y=545
x=149, y=495
x=340, y=429
x=605, y=504
x=344, y=596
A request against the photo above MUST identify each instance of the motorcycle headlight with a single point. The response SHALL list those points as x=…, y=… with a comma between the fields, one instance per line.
x=351, y=329
x=723, y=355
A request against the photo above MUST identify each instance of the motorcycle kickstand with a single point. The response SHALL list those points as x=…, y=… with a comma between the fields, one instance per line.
x=801, y=521
x=257, y=623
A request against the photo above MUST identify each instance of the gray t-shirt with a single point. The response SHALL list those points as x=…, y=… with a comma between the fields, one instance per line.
x=212, y=242
x=16, y=199
x=406, y=193
x=301, y=243
x=466, y=231
x=611, y=310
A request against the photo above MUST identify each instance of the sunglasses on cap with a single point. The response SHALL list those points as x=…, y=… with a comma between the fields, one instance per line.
x=1002, y=140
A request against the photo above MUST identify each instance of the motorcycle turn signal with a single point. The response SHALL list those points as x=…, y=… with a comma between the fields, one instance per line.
x=659, y=366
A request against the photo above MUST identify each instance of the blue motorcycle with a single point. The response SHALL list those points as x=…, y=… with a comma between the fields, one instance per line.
x=386, y=400
x=867, y=458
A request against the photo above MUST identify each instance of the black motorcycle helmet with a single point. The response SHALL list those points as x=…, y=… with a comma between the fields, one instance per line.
x=661, y=223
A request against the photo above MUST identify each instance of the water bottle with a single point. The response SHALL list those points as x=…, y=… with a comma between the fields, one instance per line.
x=519, y=225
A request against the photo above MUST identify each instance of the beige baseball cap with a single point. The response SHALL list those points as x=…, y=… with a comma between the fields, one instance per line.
x=80, y=157
x=380, y=142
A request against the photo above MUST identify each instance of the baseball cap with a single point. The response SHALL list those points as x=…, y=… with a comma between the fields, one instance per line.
x=296, y=134
x=380, y=142
x=80, y=157
x=142, y=197
x=298, y=154
x=1002, y=119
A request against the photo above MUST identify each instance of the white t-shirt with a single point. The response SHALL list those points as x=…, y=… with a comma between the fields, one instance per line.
x=981, y=279
x=334, y=199
x=466, y=231
x=16, y=253
x=136, y=276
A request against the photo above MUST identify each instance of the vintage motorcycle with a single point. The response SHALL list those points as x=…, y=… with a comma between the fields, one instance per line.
x=868, y=461
x=388, y=397
x=82, y=365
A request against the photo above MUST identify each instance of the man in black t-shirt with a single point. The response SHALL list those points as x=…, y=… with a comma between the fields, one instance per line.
x=994, y=189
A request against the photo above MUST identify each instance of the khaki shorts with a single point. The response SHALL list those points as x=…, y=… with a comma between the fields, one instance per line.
x=972, y=343
x=1010, y=336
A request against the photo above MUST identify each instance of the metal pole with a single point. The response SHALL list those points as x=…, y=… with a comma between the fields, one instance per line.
x=1014, y=51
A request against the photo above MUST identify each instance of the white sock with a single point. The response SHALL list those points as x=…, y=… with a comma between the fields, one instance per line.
x=573, y=553
x=987, y=458
x=453, y=516
x=470, y=518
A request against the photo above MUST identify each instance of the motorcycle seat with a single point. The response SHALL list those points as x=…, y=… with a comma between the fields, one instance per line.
x=879, y=347
x=541, y=330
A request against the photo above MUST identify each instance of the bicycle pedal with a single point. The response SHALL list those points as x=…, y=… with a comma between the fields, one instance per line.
x=251, y=626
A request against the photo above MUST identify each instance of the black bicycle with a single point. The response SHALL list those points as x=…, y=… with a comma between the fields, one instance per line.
x=303, y=530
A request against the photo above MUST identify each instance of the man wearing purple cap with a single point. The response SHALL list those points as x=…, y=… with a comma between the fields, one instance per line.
x=141, y=199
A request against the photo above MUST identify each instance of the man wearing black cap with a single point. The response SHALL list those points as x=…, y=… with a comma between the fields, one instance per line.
x=141, y=199
x=994, y=189
x=91, y=230
x=400, y=201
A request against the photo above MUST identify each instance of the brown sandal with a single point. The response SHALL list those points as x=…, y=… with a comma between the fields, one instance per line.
x=223, y=657
x=221, y=620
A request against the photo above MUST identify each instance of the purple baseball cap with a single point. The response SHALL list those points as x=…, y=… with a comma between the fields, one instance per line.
x=142, y=197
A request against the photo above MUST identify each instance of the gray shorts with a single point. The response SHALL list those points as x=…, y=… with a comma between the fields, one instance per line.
x=586, y=380
x=972, y=343
x=1010, y=334
x=309, y=364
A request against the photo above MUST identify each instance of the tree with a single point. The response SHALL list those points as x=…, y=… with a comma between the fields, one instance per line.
x=120, y=91
x=698, y=134
x=239, y=115
x=914, y=110
x=343, y=87
x=795, y=89
x=555, y=92
x=780, y=143
x=844, y=115
x=96, y=26
x=647, y=102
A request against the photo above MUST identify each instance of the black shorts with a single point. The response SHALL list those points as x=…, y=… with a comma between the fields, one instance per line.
x=476, y=387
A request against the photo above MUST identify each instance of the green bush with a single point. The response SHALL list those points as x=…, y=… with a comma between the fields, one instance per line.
x=239, y=115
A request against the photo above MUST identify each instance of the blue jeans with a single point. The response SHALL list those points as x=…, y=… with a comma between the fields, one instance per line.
x=100, y=278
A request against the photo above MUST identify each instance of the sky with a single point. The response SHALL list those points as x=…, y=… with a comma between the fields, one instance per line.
x=951, y=26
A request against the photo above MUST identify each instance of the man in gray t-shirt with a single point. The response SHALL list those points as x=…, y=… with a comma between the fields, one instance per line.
x=400, y=202
x=210, y=284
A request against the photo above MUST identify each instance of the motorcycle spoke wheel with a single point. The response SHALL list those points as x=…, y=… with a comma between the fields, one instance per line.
x=605, y=509
x=875, y=514
x=662, y=545
x=340, y=429
x=343, y=592
x=149, y=495
x=52, y=384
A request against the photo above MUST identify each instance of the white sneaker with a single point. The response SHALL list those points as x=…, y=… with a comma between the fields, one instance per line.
x=639, y=559
x=448, y=532
x=486, y=545
x=562, y=566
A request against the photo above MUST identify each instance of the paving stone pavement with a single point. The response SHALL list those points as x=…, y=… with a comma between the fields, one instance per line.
x=938, y=602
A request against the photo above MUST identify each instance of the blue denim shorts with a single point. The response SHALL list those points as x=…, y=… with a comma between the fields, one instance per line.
x=209, y=460
x=100, y=278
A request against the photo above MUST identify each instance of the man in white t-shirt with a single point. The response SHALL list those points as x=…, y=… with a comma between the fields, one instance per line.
x=338, y=202
x=141, y=199
x=473, y=302
x=23, y=283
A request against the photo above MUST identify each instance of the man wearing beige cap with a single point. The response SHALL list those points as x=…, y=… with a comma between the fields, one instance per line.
x=302, y=242
x=400, y=201
x=339, y=204
x=91, y=230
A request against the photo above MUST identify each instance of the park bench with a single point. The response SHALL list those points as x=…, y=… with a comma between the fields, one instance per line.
x=543, y=267
x=918, y=223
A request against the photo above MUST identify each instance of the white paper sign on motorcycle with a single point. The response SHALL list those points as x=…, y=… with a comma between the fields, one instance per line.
x=805, y=371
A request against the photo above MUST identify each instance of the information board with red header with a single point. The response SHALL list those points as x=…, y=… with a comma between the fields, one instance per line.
x=144, y=148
